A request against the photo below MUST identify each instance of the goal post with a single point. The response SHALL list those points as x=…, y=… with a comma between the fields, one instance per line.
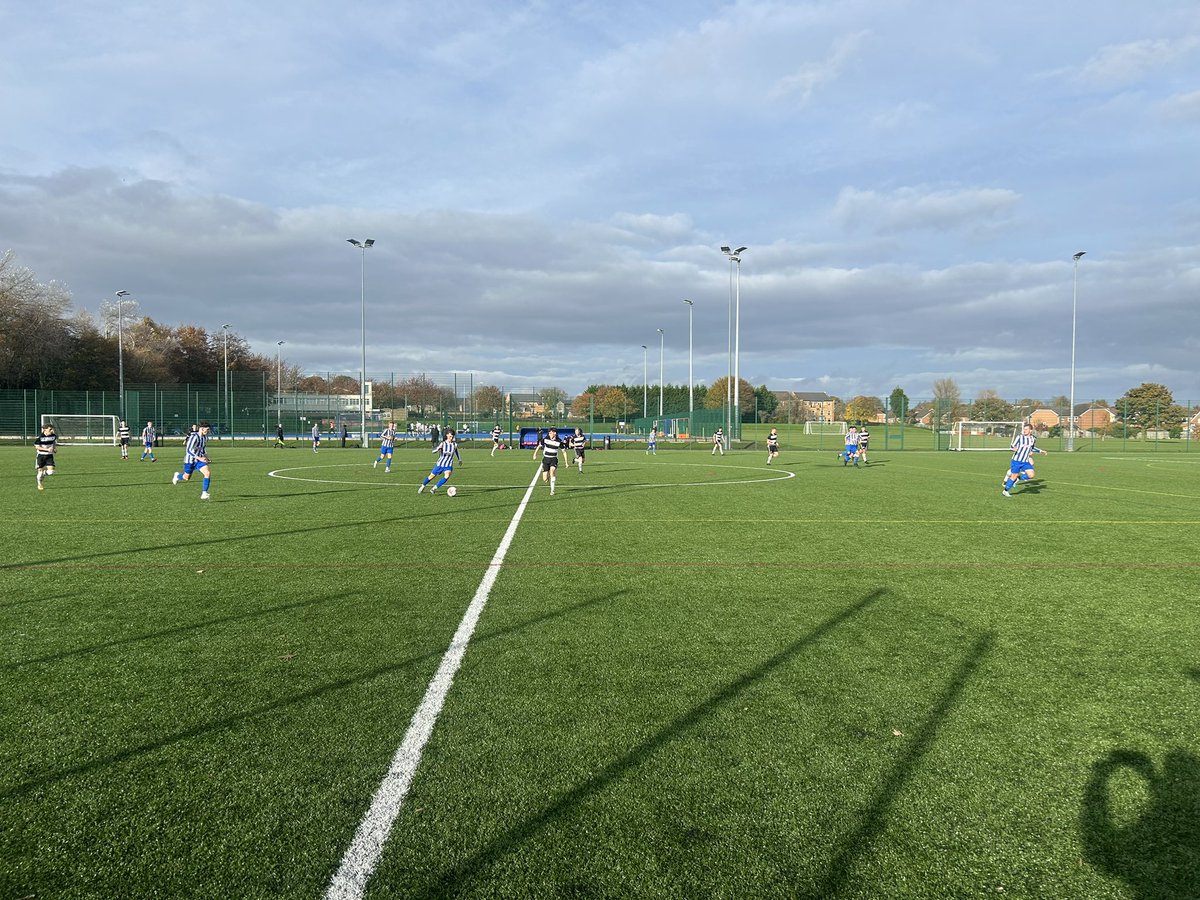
x=83, y=431
x=824, y=427
x=984, y=435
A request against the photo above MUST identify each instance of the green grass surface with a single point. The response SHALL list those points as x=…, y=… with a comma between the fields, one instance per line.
x=694, y=677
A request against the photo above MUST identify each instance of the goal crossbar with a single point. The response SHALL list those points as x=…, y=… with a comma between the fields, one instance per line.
x=811, y=427
x=82, y=431
x=984, y=435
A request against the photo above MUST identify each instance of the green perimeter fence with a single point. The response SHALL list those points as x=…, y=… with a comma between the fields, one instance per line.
x=247, y=407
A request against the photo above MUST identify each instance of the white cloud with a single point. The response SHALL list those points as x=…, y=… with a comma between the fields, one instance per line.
x=923, y=207
x=1121, y=64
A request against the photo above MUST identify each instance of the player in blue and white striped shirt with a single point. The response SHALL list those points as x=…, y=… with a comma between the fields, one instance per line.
x=148, y=436
x=195, y=457
x=447, y=450
x=1024, y=445
x=387, y=442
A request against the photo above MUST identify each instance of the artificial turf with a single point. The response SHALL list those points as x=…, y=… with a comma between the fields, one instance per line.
x=695, y=676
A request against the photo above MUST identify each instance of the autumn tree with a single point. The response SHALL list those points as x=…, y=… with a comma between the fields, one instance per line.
x=989, y=406
x=715, y=396
x=862, y=408
x=489, y=400
x=1151, y=406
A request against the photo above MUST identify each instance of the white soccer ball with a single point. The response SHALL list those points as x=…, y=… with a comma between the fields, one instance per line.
x=451, y=491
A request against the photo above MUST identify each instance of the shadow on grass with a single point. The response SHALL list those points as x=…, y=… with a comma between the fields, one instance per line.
x=457, y=878
x=194, y=543
x=317, y=693
x=1157, y=851
x=178, y=629
x=874, y=817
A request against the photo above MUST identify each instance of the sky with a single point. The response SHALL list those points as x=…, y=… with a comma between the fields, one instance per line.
x=547, y=182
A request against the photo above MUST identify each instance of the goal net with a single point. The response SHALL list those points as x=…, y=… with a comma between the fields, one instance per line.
x=824, y=427
x=75, y=431
x=984, y=435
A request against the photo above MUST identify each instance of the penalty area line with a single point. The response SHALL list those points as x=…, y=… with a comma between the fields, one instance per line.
x=366, y=848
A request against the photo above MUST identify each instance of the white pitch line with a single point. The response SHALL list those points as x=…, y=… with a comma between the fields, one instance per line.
x=366, y=849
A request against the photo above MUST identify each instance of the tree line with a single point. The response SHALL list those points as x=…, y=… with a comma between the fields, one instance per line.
x=45, y=343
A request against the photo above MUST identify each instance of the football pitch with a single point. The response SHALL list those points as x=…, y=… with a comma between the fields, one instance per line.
x=690, y=676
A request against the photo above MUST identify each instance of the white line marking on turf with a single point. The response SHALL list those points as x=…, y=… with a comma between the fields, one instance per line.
x=366, y=848
x=783, y=475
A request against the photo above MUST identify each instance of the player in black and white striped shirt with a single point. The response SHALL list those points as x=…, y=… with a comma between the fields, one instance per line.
x=578, y=442
x=123, y=436
x=45, y=444
x=550, y=445
x=496, y=433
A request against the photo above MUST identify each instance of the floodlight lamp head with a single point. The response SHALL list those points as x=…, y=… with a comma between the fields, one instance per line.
x=370, y=242
x=739, y=250
x=353, y=241
x=1079, y=254
x=122, y=293
x=725, y=248
x=688, y=302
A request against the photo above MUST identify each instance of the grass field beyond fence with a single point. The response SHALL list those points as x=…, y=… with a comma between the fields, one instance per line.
x=695, y=676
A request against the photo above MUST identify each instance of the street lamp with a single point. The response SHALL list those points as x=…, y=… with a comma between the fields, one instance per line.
x=228, y=413
x=691, y=406
x=662, y=337
x=735, y=259
x=1074, y=297
x=362, y=382
x=279, y=380
x=645, y=385
x=121, y=295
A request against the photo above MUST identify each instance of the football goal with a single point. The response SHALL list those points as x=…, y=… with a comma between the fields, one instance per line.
x=76, y=431
x=984, y=435
x=824, y=427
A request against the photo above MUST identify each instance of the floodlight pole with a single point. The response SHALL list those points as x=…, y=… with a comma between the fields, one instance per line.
x=362, y=381
x=1074, y=298
x=645, y=384
x=691, y=406
x=121, y=295
x=662, y=337
x=735, y=259
x=228, y=413
x=279, y=381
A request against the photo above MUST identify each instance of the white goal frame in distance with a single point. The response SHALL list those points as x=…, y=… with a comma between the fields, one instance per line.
x=983, y=430
x=824, y=427
x=83, y=431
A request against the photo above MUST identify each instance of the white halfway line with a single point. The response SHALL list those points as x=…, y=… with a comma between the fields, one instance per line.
x=366, y=849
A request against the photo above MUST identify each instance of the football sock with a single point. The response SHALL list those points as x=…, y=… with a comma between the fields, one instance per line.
x=1023, y=477
x=440, y=483
x=1008, y=484
x=204, y=485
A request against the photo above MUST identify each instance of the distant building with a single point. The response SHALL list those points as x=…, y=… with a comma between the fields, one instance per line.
x=806, y=406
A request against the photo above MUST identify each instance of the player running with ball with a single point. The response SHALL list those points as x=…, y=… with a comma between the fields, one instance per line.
x=550, y=445
x=195, y=457
x=1024, y=445
x=447, y=450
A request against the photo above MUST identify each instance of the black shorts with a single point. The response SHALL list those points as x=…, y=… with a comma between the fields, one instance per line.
x=45, y=460
x=579, y=454
x=774, y=448
x=124, y=442
x=549, y=463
